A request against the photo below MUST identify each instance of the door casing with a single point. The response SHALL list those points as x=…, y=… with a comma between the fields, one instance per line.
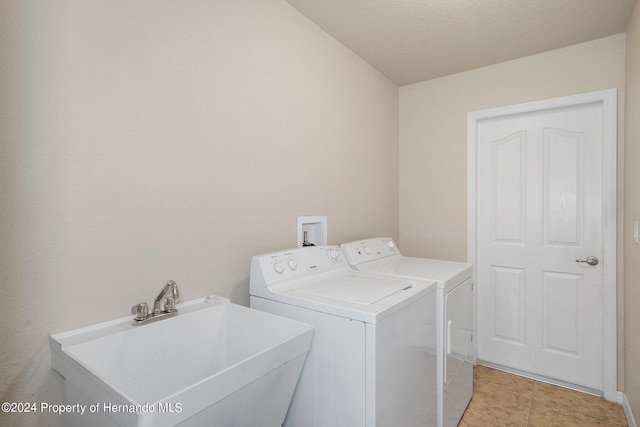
x=608, y=99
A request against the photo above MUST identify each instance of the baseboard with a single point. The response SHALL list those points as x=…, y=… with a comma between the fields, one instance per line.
x=622, y=399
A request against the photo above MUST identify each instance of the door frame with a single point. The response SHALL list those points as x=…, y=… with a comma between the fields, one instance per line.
x=608, y=99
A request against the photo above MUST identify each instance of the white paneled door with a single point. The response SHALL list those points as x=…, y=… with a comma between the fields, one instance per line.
x=540, y=212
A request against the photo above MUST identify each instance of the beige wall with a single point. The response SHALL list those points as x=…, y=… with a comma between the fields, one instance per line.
x=433, y=132
x=632, y=213
x=153, y=140
x=433, y=138
x=143, y=141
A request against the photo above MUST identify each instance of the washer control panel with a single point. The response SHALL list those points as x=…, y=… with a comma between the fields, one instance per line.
x=294, y=263
x=369, y=250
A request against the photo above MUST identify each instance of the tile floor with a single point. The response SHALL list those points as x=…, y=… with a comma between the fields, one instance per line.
x=505, y=400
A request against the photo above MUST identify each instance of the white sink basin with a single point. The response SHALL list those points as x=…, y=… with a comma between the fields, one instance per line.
x=214, y=364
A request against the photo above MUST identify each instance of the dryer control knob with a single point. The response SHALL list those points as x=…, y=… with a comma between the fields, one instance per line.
x=333, y=254
x=390, y=244
x=278, y=267
x=367, y=250
x=293, y=264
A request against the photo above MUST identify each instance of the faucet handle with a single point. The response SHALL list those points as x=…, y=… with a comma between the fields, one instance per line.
x=141, y=310
x=169, y=305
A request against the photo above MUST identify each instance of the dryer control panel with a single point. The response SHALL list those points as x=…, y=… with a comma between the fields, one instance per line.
x=275, y=267
x=369, y=250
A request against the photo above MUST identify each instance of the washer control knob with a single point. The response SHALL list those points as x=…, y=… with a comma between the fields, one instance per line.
x=293, y=264
x=333, y=254
x=390, y=244
x=367, y=250
x=278, y=267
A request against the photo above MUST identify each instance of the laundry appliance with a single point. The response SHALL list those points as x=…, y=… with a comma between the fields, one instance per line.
x=372, y=361
x=454, y=320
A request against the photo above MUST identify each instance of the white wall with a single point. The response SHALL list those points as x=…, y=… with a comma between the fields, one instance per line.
x=433, y=139
x=153, y=140
x=632, y=213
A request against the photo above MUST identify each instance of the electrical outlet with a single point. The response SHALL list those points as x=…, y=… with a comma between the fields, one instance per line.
x=635, y=232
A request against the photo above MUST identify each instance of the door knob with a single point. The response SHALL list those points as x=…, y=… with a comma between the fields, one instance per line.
x=591, y=260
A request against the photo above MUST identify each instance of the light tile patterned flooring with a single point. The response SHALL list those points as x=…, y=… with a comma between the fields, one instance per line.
x=505, y=400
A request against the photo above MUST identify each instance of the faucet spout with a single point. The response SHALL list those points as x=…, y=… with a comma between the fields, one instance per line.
x=170, y=286
x=141, y=310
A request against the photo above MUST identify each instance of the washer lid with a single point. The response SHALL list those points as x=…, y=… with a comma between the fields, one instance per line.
x=353, y=288
x=352, y=294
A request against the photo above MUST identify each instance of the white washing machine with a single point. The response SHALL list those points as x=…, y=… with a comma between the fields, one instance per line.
x=372, y=361
x=454, y=315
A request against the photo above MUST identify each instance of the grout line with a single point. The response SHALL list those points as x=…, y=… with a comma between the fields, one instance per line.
x=533, y=392
x=501, y=387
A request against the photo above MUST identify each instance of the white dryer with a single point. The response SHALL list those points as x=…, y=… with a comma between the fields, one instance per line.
x=454, y=315
x=372, y=361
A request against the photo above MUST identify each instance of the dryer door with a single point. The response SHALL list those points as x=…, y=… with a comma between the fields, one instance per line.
x=458, y=380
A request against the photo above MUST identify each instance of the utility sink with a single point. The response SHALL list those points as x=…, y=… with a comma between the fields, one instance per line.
x=214, y=364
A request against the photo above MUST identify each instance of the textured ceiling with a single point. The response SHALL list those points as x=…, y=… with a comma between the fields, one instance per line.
x=414, y=40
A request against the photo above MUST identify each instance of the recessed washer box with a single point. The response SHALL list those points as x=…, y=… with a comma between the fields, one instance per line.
x=316, y=228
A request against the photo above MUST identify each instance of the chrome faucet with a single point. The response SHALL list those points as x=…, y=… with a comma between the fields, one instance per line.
x=141, y=310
